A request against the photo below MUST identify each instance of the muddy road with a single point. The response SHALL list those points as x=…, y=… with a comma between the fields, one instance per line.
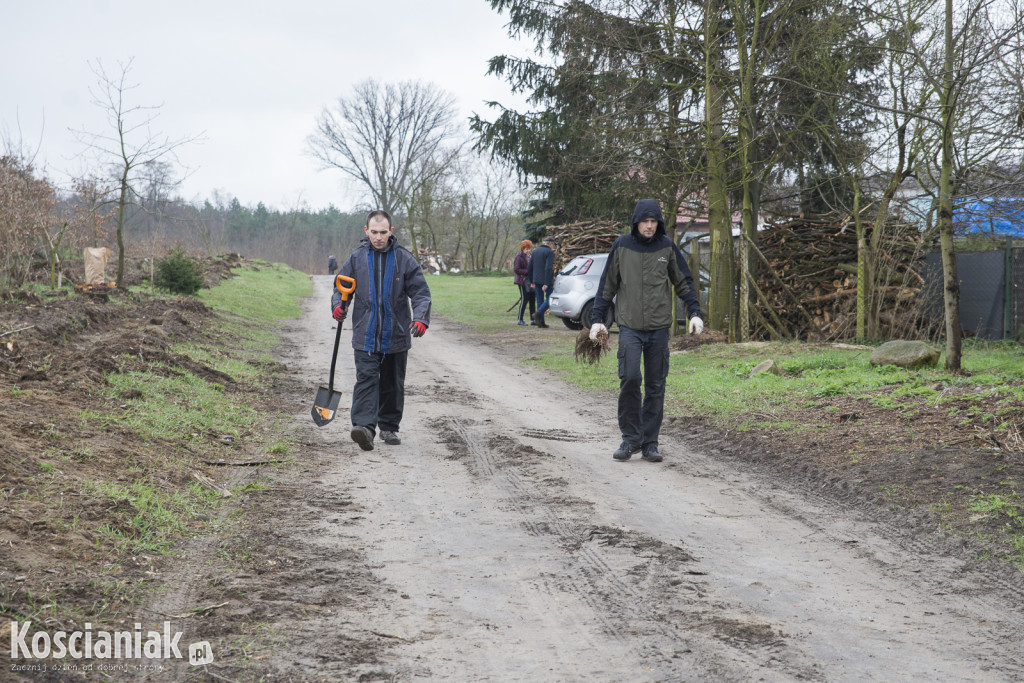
x=501, y=542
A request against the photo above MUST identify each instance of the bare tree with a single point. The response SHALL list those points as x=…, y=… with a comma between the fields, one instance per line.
x=391, y=139
x=974, y=75
x=27, y=204
x=128, y=147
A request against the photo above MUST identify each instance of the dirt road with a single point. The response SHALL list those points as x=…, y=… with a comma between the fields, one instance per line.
x=501, y=542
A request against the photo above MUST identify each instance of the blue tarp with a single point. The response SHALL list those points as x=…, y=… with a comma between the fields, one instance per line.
x=990, y=216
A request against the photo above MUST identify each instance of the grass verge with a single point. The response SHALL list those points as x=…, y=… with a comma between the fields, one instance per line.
x=105, y=476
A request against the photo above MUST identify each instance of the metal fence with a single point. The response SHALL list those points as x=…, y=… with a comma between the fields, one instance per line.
x=991, y=291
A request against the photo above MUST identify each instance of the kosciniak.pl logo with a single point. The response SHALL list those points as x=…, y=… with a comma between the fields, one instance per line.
x=90, y=644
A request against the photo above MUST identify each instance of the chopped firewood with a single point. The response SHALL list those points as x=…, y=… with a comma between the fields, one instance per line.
x=586, y=237
x=806, y=282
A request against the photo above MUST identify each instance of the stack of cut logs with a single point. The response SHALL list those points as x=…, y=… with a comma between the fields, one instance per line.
x=809, y=288
x=585, y=237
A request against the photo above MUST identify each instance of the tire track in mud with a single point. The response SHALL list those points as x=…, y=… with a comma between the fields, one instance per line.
x=503, y=551
x=687, y=622
x=948, y=573
x=917, y=532
x=862, y=517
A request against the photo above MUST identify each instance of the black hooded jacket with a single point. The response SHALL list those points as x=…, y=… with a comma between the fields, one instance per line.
x=643, y=272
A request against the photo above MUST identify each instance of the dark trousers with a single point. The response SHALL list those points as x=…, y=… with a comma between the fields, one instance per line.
x=642, y=394
x=526, y=299
x=378, y=397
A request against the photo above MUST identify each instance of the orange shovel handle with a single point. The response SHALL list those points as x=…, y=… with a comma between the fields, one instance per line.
x=347, y=288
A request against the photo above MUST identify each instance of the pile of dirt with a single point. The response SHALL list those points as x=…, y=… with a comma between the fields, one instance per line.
x=66, y=449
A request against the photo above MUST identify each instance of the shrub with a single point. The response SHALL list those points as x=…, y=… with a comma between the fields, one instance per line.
x=178, y=274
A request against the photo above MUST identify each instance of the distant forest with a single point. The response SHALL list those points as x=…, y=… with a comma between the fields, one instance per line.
x=299, y=237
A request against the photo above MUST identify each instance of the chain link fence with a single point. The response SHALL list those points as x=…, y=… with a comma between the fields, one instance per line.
x=991, y=291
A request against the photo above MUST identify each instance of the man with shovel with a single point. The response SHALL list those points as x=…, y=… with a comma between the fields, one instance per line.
x=390, y=306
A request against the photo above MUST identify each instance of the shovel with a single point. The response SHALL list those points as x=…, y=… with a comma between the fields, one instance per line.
x=325, y=406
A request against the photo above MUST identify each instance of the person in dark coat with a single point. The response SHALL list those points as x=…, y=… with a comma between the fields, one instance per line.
x=332, y=264
x=542, y=278
x=643, y=269
x=391, y=305
x=520, y=267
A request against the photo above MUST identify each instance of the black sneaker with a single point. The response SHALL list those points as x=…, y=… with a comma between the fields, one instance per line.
x=651, y=454
x=363, y=436
x=390, y=438
x=626, y=451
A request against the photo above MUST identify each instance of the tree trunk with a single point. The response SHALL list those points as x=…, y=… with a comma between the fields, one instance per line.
x=122, y=204
x=863, y=257
x=951, y=285
x=719, y=220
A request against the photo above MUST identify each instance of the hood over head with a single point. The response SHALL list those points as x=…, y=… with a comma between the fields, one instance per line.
x=648, y=208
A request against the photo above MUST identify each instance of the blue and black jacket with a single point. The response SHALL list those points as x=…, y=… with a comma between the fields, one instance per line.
x=390, y=293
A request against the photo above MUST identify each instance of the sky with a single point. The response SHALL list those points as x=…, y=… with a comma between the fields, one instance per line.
x=247, y=77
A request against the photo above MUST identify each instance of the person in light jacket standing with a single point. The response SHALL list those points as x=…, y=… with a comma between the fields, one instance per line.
x=391, y=305
x=643, y=269
x=542, y=278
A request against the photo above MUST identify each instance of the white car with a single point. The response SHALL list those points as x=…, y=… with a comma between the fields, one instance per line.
x=572, y=299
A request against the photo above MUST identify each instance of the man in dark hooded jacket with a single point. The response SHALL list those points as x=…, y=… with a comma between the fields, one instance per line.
x=643, y=269
x=541, y=269
x=388, y=279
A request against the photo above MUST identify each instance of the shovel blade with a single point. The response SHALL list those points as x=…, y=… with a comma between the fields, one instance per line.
x=325, y=406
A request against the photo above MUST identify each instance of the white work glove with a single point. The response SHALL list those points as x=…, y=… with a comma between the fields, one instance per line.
x=696, y=325
x=596, y=329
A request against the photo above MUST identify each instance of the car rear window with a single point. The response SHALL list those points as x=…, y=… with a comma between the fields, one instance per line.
x=578, y=266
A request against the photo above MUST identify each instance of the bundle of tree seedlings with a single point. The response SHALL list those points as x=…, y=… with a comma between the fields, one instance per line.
x=806, y=284
x=584, y=237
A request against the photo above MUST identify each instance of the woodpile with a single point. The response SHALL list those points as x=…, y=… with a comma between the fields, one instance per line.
x=432, y=261
x=806, y=286
x=585, y=237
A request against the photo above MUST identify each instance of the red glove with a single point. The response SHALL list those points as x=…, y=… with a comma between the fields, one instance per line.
x=339, y=313
x=417, y=328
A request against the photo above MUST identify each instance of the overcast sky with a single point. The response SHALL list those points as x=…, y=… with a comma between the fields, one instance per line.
x=249, y=76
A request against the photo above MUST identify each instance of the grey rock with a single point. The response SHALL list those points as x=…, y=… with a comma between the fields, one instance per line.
x=905, y=354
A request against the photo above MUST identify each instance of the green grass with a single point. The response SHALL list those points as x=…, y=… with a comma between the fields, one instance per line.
x=1009, y=509
x=265, y=292
x=479, y=302
x=253, y=303
x=181, y=407
x=155, y=518
x=713, y=381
